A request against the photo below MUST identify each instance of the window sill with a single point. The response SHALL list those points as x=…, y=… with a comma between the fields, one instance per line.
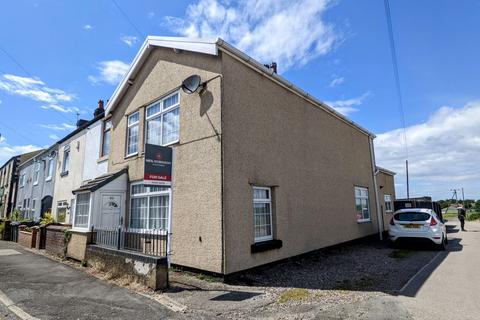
x=266, y=245
x=389, y=211
x=102, y=159
x=48, y=179
x=364, y=221
x=128, y=156
x=63, y=174
x=35, y=183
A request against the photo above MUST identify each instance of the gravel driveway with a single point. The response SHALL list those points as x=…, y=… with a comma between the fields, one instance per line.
x=330, y=283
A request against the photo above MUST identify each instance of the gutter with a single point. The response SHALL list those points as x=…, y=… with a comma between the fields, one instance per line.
x=375, y=171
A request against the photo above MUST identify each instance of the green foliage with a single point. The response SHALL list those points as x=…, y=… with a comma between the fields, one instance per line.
x=295, y=294
x=400, y=254
x=16, y=215
x=473, y=216
x=47, y=218
x=2, y=227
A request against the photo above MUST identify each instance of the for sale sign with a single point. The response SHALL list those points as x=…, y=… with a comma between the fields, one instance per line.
x=158, y=165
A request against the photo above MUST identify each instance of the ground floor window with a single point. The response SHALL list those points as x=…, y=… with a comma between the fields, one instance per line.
x=149, y=207
x=262, y=213
x=388, y=203
x=62, y=207
x=362, y=204
x=82, y=210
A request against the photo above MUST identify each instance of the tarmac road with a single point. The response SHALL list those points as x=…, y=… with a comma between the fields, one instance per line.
x=449, y=288
x=46, y=289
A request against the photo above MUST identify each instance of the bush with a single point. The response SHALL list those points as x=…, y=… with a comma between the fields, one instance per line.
x=47, y=218
x=473, y=216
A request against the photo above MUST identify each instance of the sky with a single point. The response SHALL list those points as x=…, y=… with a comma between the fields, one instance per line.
x=58, y=58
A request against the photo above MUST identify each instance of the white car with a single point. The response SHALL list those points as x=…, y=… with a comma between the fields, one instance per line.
x=417, y=223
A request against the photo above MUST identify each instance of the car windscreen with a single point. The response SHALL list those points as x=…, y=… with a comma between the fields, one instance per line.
x=412, y=216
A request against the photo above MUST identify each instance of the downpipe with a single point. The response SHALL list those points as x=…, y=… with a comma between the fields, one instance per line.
x=377, y=202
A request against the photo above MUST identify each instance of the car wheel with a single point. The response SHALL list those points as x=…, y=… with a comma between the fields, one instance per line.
x=442, y=246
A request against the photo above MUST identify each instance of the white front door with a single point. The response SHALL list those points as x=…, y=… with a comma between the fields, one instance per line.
x=111, y=208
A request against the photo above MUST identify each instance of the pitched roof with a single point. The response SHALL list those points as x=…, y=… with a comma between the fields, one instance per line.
x=100, y=181
x=212, y=47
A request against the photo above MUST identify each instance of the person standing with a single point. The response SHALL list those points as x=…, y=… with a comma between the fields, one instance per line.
x=462, y=215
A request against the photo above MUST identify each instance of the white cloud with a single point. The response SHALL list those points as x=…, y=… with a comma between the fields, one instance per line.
x=87, y=27
x=129, y=40
x=60, y=108
x=290, y=33
x=151, y=14
x=7, y=151
x=443, y=153
x=347, y=106
x=336, y=81
x=111, y=72
x=58, y=127
x=53, y=137
x=33, y=88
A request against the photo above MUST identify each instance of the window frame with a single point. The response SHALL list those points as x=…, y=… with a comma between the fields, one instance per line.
x=263, y=201
x=129, y=127
x=36, y=173
x=161, y=114
x=148, y=195
x=89, y=212
x=66, y=160
x=389, y=201
x=363, y=219
x=62, y=204
x=32, y=208
x=106, y=130
x=50, y=168
x=21, y=183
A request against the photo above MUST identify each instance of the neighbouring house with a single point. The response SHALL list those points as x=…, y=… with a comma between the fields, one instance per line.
x=386, y=194
x=262, y=171
x=37, y=179
x=79, y=160
x=9, y=179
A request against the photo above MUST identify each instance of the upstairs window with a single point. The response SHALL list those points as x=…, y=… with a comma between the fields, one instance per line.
x=107, y=128
x=49, y=169
x=362, y=204
x=36, y=173
x=66, y=160
x=262, y=213
x=132, y=133
x=21, y=183
x=163, y=121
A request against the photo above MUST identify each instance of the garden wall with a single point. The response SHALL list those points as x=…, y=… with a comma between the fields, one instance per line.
x=55, y=242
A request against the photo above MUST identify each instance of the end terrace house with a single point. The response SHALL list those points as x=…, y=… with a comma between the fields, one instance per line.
x=262, y=171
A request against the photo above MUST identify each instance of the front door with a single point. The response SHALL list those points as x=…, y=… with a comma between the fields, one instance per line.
x=111, y=209
x=46, y=206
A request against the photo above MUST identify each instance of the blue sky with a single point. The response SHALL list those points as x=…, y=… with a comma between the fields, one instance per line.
x=73, y=53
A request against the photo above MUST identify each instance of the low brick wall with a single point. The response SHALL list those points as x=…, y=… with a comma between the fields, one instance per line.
x=77, y=245
x=27, y=239
x=55, y=241
x=149, y=271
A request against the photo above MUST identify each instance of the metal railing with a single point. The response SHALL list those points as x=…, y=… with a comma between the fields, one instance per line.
x=152, y=242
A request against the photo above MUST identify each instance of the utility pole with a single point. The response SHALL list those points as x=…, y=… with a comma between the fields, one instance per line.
x=408, y=184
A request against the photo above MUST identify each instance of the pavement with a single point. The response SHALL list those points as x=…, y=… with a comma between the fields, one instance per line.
x=35, y=287
x=449, y=288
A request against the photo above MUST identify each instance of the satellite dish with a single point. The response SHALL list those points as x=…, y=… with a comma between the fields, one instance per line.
x=192, y=84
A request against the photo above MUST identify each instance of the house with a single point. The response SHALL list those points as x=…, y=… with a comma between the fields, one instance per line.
x=8, y=182
x=262, y=171
x=35, y=188
x=386, y=194
x=79, y=160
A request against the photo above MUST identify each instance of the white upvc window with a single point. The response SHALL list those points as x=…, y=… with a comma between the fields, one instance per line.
x=107, y=128
x=132, y=133
x=362, y=204
x=149, y=207
x=34, y=203
x=36, y=173
x=66, y=159
x=388, y=203
x=262, y=213
x=21, y=183
x=82, y=211
x=49, y=168
x=163, y=121
x=62, y=207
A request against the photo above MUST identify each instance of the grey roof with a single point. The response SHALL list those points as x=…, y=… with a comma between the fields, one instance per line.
x=100, y=181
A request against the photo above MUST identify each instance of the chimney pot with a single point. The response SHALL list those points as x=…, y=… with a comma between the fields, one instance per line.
x=100, y=104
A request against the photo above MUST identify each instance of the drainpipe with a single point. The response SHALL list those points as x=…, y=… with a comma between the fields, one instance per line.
x=377, y=203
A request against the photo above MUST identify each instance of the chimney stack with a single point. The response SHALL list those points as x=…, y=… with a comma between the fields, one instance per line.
x=99, y=111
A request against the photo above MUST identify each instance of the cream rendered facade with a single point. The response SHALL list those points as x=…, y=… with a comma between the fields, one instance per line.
x=249, y=128
x=83, y=149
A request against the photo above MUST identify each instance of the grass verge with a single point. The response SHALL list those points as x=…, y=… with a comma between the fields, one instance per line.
x=296, y=294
